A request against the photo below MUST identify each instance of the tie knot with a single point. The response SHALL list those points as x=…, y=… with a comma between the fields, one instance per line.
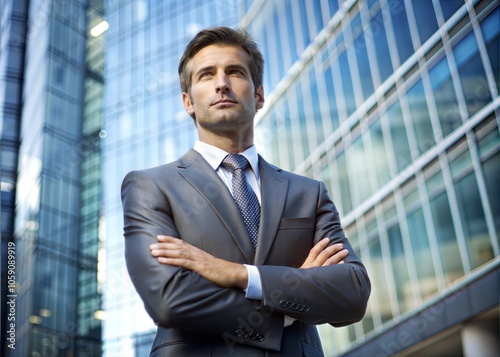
x=234, y=162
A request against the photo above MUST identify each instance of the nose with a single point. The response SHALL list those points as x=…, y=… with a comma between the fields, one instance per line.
x=222, y=84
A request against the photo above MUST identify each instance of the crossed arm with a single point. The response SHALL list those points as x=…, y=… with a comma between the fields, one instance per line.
x=176, y=252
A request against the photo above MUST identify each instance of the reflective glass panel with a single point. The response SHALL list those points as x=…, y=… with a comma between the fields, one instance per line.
x=330, y=99
x=314, y=113
x=401, y=31
x=345, y=187
x=377, y=29
x=378, y=154
x=446, y=238
x=449, y=7
x=491, y=172
x=349, y=100
x=491, y=34
x=378, y=280
x=473, y=221
x=444, y=96
x=404, y=287
x=421, y=119
x=401, y=147
x=364, y=72
x=471, y=73
x=425, y=18
x=358, y=169
x=421, y=252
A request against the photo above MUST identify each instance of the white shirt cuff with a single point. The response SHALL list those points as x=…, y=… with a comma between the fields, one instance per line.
x=254, y=287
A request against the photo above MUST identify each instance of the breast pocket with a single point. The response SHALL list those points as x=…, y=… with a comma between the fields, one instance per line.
x=297, y=223
x=293, y=241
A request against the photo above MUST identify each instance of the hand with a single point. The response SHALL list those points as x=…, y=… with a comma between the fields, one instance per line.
x=320, y=255
x=176, y=252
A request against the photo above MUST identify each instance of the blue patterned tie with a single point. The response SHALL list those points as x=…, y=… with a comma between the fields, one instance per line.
x=245, y=197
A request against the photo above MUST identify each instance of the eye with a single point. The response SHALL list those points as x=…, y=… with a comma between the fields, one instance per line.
x=236, y=72
x=204, y=75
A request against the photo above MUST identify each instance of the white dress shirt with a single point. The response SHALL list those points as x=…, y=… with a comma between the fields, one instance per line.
x=214, y=156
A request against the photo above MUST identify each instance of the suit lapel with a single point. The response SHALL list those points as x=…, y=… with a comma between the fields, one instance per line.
x=273, y=196
x=209, y=185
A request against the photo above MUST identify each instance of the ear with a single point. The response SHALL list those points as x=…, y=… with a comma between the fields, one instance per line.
x=259, y=94
x=188, y=104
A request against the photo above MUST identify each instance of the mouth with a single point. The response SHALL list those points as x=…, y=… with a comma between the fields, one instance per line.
x=224, y=101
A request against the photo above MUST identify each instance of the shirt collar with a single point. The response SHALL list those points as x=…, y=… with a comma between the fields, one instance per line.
x=214, y=156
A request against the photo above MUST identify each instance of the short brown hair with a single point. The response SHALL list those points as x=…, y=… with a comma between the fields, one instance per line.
x=222, y=36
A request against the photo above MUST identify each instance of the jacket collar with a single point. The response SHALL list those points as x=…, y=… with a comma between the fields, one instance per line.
x=274, y=188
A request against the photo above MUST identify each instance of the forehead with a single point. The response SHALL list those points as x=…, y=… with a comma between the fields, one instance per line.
x=218, y=55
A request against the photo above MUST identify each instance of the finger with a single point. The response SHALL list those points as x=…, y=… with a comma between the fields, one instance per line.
x=317, y=249
x=327, y=253
x=161, y=246
x=336, y=258
x=167, y=239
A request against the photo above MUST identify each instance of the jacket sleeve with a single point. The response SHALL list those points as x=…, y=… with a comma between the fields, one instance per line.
x=336, y=294
x=179, y=298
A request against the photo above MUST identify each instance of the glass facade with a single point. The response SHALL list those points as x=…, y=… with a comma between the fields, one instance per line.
x=53, y=113
x=145, y=125
x=401, y=121
x=12, y=48
x=393, y=104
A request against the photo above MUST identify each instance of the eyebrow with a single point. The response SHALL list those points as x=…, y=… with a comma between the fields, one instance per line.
x=228, y=67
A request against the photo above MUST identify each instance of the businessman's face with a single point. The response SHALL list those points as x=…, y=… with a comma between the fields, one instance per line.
x=222, y=97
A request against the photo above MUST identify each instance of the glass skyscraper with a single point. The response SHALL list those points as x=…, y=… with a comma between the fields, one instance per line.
x=393, y=104
x=51, y=102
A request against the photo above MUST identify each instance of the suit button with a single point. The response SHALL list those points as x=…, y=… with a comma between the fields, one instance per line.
x=294, y=306
x=300, y=307
x=289, y=304
x=253, y=336
x=306, y=308
x=244, y=335
x=260, y=337
x=282, y=303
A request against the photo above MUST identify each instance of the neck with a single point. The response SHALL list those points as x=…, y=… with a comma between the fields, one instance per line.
x=230, y=141
x=230, y=144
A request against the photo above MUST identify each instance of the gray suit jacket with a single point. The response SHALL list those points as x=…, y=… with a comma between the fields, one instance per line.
x=196, y=317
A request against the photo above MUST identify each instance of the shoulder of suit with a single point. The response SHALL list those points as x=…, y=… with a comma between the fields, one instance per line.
x=165, y=169
x=291, y=175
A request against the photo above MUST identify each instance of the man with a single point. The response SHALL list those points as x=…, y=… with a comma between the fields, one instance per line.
x=223, y=275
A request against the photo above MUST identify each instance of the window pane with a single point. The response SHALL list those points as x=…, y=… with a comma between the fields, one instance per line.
x=379, y=282
x=399, y=138
x=350, y=103
x=364, y=72
x=401, y=31
x=444, y=95
x=491, y=171
x=491, y=33
x=449, y=7
x=446, y=238
x=425, y=18
x=313, y=112
x=378, y=154
x=471, y=73
x=359, y=172
x=420, y=247
x=377, y=28
x=345, y=188
x=473, y=221
x=330, y=100
x=404, y=287
x=421, y=119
